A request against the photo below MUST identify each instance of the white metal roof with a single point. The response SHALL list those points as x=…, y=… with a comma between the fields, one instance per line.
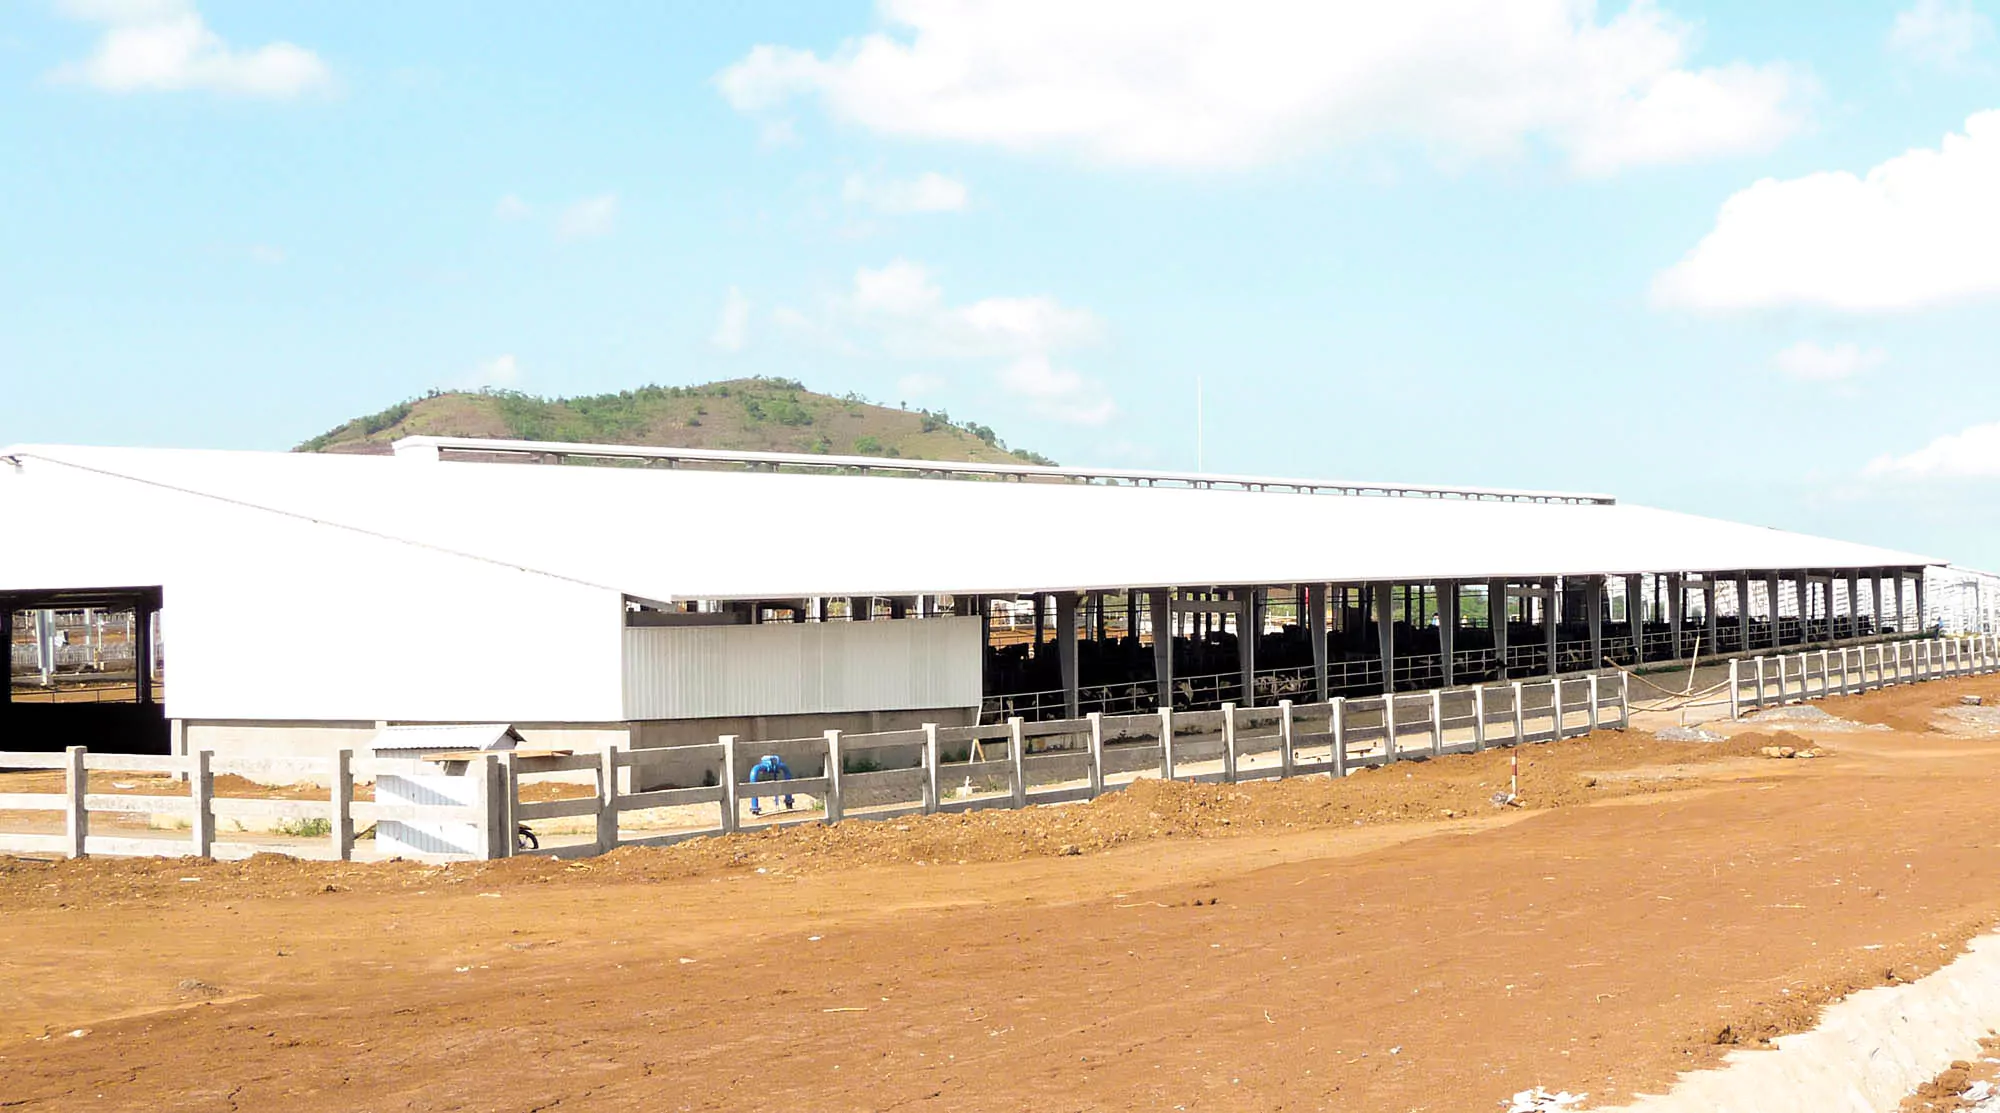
x=445, y=739
x=669, y=534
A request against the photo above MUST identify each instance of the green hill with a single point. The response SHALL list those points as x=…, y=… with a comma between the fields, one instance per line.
x=766, y=415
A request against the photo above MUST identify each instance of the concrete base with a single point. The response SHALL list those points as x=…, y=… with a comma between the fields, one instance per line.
x=269, y=751
x=802, y=742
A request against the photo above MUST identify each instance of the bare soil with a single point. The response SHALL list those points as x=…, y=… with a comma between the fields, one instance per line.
x=1391, y=942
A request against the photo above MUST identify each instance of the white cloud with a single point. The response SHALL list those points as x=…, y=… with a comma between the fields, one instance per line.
x=732, y=331
x=901, y=288
x=500, y=371
x=1196, y=84
x=919, y=384
x=511, y=207
x=159, y=45
x=1920, y=229
x=905, y=305
x=1816, y=363
x=900, y=309
x=587, y=219
x=1057, y=392
x=1943, y=33
x=267, y=254
x=1972, y=453
x=929, y=192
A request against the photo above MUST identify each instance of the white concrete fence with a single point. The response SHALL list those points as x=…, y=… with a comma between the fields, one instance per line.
x=1773, y=681
x=1009, y=765
x=202, y=810
x=1014, y=764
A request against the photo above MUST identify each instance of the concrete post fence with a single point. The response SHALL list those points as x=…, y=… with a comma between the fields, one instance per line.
x=1849, y=671
x=1076, y=759
x=931, y=800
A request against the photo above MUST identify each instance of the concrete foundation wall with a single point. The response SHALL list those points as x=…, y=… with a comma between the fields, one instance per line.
x=268, y=751
x=807, y=756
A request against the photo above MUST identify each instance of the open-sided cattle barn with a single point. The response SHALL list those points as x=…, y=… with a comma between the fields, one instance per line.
x=610, y=595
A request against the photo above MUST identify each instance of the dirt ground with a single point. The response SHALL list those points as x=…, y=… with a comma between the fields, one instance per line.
x=1392, y=942
x=1947, y=1093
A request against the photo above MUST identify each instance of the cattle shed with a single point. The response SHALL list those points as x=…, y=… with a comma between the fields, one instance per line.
x=593, y=596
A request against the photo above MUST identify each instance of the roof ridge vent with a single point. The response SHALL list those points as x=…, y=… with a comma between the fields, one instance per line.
x=433, y=449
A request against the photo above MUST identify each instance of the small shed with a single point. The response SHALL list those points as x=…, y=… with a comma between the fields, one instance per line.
x=441, y=772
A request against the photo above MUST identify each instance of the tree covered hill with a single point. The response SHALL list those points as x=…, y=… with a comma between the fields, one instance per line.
x=758, y=414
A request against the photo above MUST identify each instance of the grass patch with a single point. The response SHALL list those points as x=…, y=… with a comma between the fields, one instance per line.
x=317, y=827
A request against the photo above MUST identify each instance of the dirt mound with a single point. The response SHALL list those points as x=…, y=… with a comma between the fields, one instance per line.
x=1783, y=744
x=1576, y=771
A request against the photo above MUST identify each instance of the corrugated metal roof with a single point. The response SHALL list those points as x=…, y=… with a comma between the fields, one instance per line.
x=445, y=739
x=671, y=534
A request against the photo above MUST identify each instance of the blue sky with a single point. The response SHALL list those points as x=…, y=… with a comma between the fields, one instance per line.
x=1715, y=257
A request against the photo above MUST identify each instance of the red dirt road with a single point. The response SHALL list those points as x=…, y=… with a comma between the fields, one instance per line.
x=1191, y=951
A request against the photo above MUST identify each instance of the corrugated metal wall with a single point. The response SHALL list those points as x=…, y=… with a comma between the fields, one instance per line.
x=699, y=672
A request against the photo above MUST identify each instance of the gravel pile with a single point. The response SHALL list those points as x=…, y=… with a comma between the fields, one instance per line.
x=1806, y=715
x=1687, y=734
x=1793, y=713
x=1978, y=720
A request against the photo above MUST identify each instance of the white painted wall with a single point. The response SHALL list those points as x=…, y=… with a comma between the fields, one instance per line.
x=271, y=616
x=692, y=672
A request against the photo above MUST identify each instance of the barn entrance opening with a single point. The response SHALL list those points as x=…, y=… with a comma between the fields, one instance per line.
x=84, y=668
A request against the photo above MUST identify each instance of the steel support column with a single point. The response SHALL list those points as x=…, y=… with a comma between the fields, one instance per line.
x=1635, y=615
x=1066, y=631
x=1709, y=609
x=142, y=648
x=1447, y=630
x=1777, y=628
x=1249, y=627
x=1385, y=629
x=1551, y=616
x=1595, y=594
x=1676, y=601
x=1496, y=623
x=1742, y=612
x=1315, y=601
x=1805, y=608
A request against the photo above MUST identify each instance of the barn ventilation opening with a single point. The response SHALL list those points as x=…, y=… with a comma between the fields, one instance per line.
x=85, y=668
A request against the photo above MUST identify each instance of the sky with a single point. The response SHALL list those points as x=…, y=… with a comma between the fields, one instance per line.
x=1738, y=260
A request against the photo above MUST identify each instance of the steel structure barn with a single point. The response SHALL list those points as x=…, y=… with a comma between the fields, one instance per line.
x=617, y=596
